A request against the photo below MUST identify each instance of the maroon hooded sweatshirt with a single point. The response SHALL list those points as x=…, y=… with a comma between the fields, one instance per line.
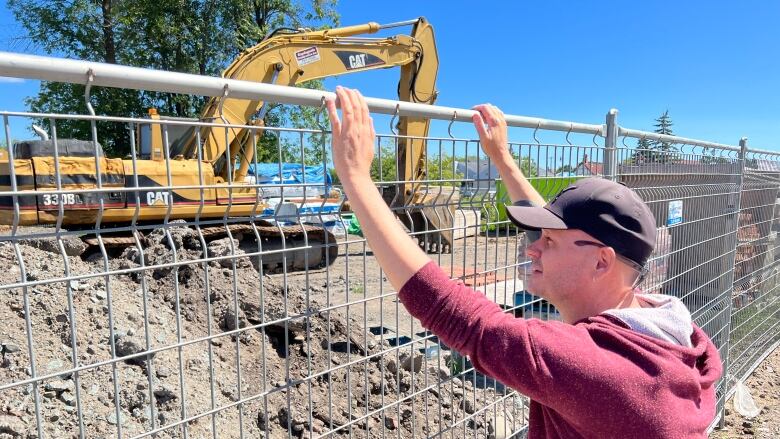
x=597, y=378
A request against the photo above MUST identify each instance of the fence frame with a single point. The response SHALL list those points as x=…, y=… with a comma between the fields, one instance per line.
x=100, y=74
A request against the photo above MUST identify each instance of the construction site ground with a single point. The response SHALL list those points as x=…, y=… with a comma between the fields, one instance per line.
x=357, y=370
x=353, y=314
x=764, y=385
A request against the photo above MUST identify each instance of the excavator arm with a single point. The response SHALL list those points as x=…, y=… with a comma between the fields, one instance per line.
x=296, y=57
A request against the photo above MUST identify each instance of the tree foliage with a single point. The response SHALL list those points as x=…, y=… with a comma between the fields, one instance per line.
x=663, y=125
x=191, y=36
x=654, y=151
x=565, y=169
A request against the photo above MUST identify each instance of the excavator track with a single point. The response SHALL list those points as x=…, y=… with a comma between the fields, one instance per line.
x=297, y=247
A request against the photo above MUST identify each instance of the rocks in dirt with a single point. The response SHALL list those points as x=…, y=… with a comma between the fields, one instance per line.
x=262, y=420
x=162, y=372
x=306, y=335
x=56, y=365
x=467, y=405
x=126, y=346
x=181, y=235
x=12, y=426
x=292, y=418
x=72, y=245
x=164, y=395
x=391, y=366
x=68, y=398
x=412, y=362
x=231, y=319
x=61, y=389
x=409, y=362
x=112, y=419
x=7, y=347
x=439, y=371
x=333, y=417
x=228, y=249
x=60, y=386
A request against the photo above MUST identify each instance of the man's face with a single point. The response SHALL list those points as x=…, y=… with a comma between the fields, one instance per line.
x=561, y=262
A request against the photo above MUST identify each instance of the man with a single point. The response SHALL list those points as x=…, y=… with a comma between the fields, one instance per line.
x=620, y=365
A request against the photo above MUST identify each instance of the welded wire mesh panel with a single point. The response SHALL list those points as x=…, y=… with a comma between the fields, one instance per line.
x=694, y=196
x=163, y=293
x=755, y=297
x=186, y=278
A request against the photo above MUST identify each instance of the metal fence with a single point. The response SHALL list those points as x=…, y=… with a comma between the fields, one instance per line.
x=277, y=321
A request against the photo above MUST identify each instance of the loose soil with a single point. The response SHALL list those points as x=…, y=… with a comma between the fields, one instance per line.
x=228, y=347
x=764, y=385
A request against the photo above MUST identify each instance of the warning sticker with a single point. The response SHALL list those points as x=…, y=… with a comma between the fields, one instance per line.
x=307, y=56
x=675, y=213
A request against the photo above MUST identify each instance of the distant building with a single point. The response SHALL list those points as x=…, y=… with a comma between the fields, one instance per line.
x=479, y=177
x=587, y=168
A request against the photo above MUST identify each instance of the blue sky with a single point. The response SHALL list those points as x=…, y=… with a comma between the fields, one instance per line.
x=712, y=64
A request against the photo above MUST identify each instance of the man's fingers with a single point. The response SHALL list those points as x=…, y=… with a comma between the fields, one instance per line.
x=492, y=115
x=500, y=119
x=333, y=115
x=347, y=108
x=358, y=102
x=479, y=124
x=365, y=113
x=487, y=114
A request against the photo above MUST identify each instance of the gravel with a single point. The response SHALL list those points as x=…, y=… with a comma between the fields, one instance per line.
x=764, y=385
x=289, y=330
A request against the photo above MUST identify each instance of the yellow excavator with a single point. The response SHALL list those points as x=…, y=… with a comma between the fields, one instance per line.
x=187, y=172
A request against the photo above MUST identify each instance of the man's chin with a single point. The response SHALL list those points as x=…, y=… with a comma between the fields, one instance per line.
x=534, y=289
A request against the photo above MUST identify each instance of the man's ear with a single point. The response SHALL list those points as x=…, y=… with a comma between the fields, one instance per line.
x=606, y=260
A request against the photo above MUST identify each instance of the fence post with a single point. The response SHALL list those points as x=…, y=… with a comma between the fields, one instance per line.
x=610, y=145
x=727, y=327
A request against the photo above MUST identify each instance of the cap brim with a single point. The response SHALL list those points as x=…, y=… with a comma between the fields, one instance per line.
x=534, y=218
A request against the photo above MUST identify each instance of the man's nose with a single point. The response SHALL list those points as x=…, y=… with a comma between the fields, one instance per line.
x=532, y=250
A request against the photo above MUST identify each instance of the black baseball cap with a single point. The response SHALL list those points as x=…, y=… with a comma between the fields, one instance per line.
x=605, y=210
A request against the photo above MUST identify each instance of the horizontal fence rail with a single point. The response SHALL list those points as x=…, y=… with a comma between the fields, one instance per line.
x=147, y=295
x=110, y=75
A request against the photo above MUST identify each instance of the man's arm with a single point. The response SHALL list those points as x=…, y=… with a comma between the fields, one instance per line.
x=353, y=150
x=491, y=127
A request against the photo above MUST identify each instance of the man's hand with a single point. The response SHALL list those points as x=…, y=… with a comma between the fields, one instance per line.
x=491, y=127
x=353, y=137
x=353, y=151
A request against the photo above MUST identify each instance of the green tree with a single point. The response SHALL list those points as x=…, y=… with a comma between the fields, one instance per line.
x=191, y=36
x=648, y=151
x=442, y=170
x=564, y=169
x=529, y=167
x=663, y=125
x=384, y=166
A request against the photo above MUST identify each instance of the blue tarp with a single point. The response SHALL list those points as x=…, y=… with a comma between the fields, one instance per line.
x=291, y=173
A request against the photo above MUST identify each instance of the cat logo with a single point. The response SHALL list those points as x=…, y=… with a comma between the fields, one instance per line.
x=358, y=60
x=153, y=198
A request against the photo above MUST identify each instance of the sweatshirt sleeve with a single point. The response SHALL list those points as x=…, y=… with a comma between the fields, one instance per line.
x=532, y=356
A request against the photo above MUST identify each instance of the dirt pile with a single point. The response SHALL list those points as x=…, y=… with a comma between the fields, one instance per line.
x=198, y=328
x=764, y=385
